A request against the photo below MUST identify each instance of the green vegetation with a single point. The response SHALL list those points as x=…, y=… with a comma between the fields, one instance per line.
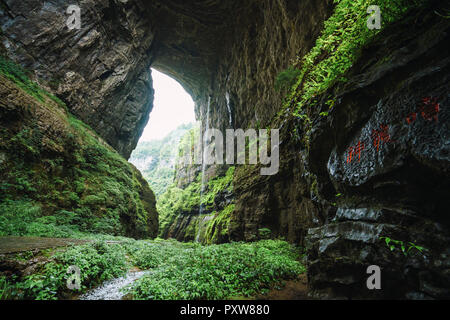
x=287, y=78
x=217, y=229
x=21, y=78
x=156, y=159
x=401, y=245
x=178, y=270
x=176, y=202
x=193, y=272
x=65, y=183
x=339, y=46
x=188, y=142
x=265, y=233
x=97, y=261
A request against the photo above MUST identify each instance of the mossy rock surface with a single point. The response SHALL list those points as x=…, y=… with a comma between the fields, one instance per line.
x=59, y=178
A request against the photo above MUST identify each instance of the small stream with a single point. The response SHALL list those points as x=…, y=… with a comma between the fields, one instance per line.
x=110, y=290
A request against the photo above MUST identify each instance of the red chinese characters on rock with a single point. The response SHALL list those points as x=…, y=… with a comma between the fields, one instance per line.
x=380, y=136
x=429, y=110
x=355, y=151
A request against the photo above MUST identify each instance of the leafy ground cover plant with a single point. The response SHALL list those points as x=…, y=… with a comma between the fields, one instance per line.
x=97, y=262
x=176, y=270
x=192, y=271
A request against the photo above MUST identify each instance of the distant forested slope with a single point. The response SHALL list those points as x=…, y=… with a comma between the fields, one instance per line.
x=156, y=159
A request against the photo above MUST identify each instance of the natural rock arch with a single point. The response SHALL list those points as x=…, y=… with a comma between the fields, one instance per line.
x=217, y=49
x=103, y=70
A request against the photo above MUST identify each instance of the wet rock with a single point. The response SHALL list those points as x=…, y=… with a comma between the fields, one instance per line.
x=390, y=162
x=53, y=149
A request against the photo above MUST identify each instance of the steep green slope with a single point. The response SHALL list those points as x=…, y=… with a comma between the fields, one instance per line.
x=58, y=178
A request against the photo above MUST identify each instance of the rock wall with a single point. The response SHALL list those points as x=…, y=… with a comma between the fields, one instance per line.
x=374, y=171
x=212, y=47
x=384, y=150
x=58, y=178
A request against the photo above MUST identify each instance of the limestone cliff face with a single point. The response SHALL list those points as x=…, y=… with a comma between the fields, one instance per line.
x=101, y=71
x=71, y=179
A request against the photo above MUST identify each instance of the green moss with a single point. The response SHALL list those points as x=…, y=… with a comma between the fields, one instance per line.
x=21, y=78
x=177, y=202
x=188, y=142
x=75, y=171
x=218, y=228
x=264, y=233
x=218, y=185
x=195, y=272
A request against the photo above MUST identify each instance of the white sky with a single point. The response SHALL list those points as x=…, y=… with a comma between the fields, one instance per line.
x=173, y=107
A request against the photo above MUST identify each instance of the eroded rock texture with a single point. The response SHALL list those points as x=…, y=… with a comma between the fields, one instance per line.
x=385, y=149
x=101, y=71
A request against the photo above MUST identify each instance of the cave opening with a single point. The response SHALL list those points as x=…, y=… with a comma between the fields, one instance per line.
x=171, y=118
